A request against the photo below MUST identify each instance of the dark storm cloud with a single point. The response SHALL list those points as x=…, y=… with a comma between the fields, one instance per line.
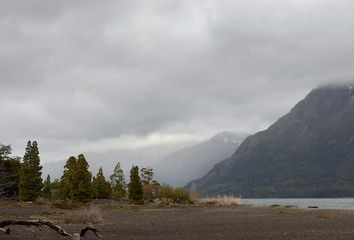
x=83, y=71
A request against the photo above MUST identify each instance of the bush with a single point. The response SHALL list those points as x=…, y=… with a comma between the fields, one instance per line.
x=165, y=192
x=181, y=196
x=168, y=194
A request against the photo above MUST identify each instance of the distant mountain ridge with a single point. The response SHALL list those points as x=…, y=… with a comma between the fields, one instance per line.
x=186, y=164
x=309, y=152
x=141, y=156
x=174, y=164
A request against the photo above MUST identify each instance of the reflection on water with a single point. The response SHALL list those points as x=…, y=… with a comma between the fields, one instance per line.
x=324, y=203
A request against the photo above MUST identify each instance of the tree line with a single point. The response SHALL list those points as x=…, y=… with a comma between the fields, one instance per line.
x=21, y=179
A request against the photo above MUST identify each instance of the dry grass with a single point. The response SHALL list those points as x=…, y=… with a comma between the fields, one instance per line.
x=287, y=211
x=68, y=204
x=90, y=215
x=221, y=201
x=322, y=216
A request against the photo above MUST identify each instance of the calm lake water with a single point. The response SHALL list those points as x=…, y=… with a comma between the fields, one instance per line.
x=324, y=203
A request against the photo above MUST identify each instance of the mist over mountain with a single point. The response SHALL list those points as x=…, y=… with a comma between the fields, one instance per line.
x=309, y=152
x=142, y=156
x=173, y=164
x=186, y=164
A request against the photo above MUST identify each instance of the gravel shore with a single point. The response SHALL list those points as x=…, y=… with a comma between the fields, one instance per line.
x=207, y=223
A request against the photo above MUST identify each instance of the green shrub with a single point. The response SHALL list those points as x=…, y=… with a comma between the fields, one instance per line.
x=168, y=194
x=181, y=196
x=165, y=192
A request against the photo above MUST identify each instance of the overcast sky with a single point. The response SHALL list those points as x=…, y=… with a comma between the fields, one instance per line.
x=94, y=75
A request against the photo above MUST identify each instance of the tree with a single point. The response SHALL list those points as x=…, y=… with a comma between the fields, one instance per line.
x=135, y=188
x=147, y=175
x=9, y=172
x=47, y=189
x=118, y=182
x=30, y=185
x=150, y=186
x=81, y=189
x=66, y=180
x=75, y=184
x=101, y=188
x=5, y=151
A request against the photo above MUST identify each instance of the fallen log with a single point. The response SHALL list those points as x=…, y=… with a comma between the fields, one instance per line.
x=50, y=224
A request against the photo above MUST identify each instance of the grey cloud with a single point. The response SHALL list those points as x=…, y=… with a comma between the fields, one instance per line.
x=83, y=71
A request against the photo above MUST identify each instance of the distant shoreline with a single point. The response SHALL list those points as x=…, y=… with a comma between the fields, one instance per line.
x=322, y=203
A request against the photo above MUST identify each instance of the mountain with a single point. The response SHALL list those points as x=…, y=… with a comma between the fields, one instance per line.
x=173, y=164
x=309, y=152
x=142, y=156
x=186, y=164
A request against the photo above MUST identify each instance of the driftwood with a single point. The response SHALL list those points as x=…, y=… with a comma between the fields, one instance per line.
x=39, y=223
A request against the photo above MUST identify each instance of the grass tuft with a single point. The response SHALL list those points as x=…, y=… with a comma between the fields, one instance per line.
x=91, y=215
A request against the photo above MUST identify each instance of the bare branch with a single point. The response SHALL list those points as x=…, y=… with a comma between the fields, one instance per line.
x=92, y=229
x=6, y=231
x=50, y=224
x=36, y=223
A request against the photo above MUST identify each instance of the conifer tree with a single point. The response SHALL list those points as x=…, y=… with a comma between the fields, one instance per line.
x=66, y=180
x=81, y=189
x=55, y=190
x=135, y=188
x=101, y=188
x=47, y=189
x=30, y=185
x=118, y=183
x=9, y=172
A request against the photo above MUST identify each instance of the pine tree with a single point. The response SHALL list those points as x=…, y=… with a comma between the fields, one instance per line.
x=147, y=175
x=101, y=188
x=9, y=173
x=66, y=180
x=118, y=182
x=135, y=188
x=81, y=189
x=55, y=190
x=30, y=185
x=47, y=189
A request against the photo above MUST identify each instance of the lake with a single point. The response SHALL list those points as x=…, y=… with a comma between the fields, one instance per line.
x=324, y=203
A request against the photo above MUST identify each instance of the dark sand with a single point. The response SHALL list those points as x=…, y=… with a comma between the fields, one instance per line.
x=207, y=223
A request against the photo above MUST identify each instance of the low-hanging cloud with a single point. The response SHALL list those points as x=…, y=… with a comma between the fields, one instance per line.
x=74, y=72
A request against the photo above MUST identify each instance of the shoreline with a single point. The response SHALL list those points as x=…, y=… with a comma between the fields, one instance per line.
x=150, y=222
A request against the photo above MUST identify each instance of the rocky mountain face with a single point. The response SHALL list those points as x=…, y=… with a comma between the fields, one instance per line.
x=186, y=164
x=309, y=152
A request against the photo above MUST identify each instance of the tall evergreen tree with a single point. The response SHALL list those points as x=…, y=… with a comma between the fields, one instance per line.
x=55, y=190
x=118, y=183
x=81, y=188
x=101, y=188
x=47, y=189
x=66, y=180
x=5, y=151
x=30, y=185
x=135, y=188
x=9, y=172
